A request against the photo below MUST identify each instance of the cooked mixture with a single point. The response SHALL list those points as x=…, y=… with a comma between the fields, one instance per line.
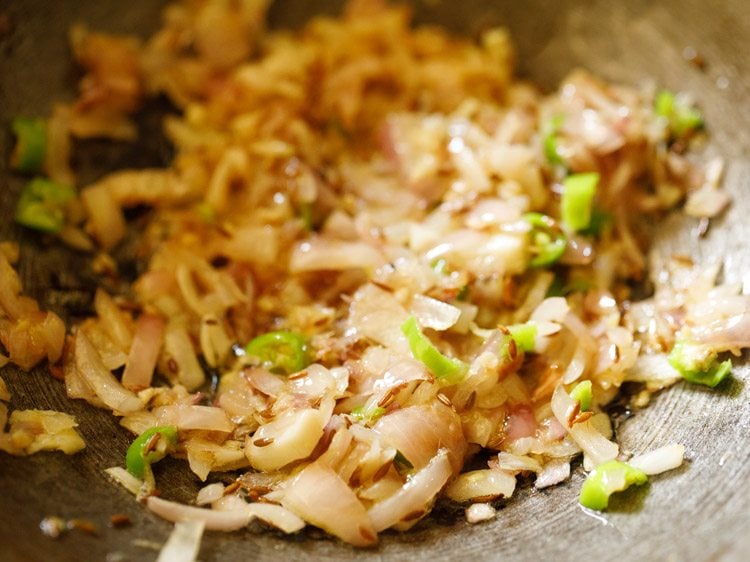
x=375, y=259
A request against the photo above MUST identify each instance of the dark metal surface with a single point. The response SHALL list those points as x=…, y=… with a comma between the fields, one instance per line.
x=700, y=512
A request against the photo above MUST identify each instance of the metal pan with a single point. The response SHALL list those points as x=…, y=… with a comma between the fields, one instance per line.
x=700, y=512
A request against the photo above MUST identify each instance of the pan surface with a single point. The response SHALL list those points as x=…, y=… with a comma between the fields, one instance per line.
x=700, y=512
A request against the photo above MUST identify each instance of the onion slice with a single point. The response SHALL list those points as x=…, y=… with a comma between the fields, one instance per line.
x=418, y=432
x=214, y=520
x=659, y=460
x=414, y=496
x=321, y=497
x=144, y=352
x=183, y=543
x=101, y=381
x=598, y=448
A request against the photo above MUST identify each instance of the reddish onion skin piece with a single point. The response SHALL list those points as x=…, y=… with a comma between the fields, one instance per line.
x=322, y=498
x=520, y=423
x=144, y=352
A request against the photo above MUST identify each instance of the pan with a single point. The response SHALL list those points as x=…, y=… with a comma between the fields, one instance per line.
x=700, y=512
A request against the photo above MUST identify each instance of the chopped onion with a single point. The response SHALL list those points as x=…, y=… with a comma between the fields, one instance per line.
x=273, y=514
x=106, y=221
x=554, y=472
x=183, y=543
x=276, y=515
x=724, y=334
x=517, y=463
x=414, y=498
x=31, y=431
x=482, y=484
x=180, y=356
x=115, y=322
x=97, y=377
x=433, y=313
x=654, y=370
x=417, y=432
x=376, y=314
x=187, y=416
x=320, y=253
x=290, y=437
x=478, y=512
x=321, y=497
x=215, y=343
x=659, y=460
x=263, y=380
x=210, y=493
x=206, y=456
x=214, y=520
x=520, y=423
x=125, y=479
x=597, y=447
x=144, y=352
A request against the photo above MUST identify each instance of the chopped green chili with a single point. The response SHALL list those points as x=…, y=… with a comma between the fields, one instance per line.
x=525, y=335
x=42, y=203
x=463, y=293
x=306, y=214
x=561, y=288
x=683, y=118
x=698, y=364
x=143, y=452
x=281, y=352
x=440, y=266
x=548, y=242
x=606, y=479
x=367, y=415
x=582, y=393
x=600, y=220
x=444, y=368
x=31, y=144
x=550, y=132
x=206, y=212
x=401, y=463
x=578, y=199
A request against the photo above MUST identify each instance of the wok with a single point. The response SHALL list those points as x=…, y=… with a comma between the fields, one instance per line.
x=699, y=512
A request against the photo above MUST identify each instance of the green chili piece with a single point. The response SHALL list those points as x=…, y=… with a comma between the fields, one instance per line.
x=281, y=352
x=698, y=364
x=444, y=368
x=42, y=203
x=306, y=214
x=683, y=118
x=582, y=393
x=31, y=144
x=606, y=479
x=440, y=266
x=367, y=415
x=525, y=335
x=578, y=199
x=550, y=132
x=206, y=212
x=463, y=293
x=138, y=459
x=600, y=220
x=401, y=463
x=548, y=241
